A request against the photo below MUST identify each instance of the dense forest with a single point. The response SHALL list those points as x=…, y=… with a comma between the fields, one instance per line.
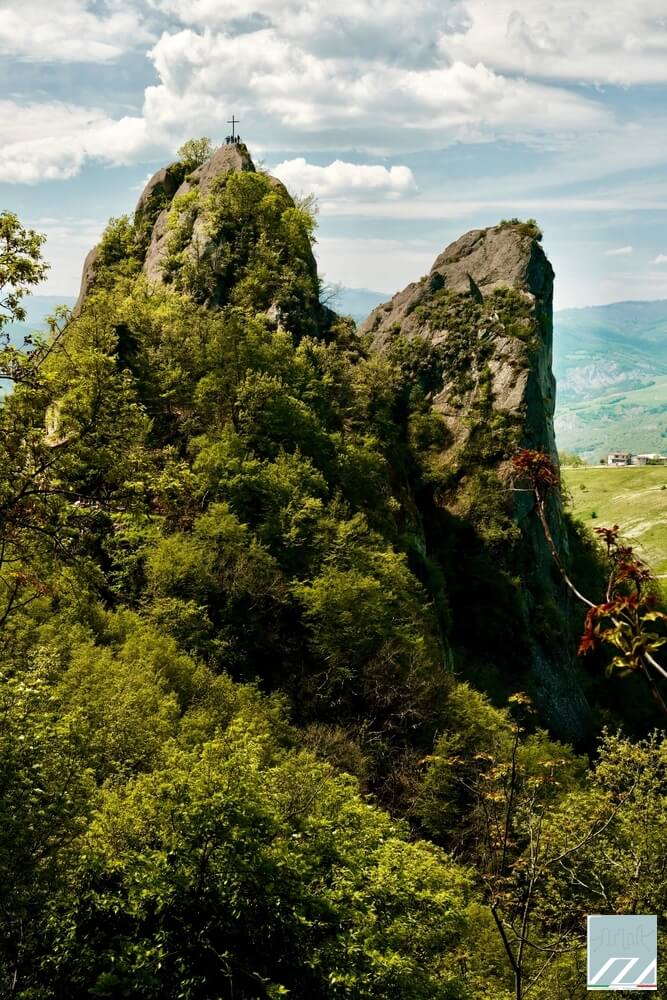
x=266, y=724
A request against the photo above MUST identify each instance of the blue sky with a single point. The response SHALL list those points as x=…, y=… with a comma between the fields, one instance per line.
x=411, y=122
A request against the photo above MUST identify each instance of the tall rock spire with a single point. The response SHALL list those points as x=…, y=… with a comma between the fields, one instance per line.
x=485, y=311
x=498, y=284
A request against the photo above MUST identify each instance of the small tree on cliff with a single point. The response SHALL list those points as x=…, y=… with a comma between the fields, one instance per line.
x=21, y=268
x=66, y=431
x=194, y=152
x=628, y=617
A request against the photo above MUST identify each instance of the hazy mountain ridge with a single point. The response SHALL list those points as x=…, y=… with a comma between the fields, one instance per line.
x=623, y=344
x=610, y=364
x=357, y=302
x=354, y=302
x=37, y=307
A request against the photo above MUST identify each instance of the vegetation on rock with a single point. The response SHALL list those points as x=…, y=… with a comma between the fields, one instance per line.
x=237, y=757
x=528, y=228
x=194, y=152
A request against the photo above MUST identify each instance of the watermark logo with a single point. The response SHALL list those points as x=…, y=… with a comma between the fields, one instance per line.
x=622, y=953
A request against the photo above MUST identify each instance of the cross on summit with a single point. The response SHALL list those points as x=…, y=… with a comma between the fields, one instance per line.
x=233, y=138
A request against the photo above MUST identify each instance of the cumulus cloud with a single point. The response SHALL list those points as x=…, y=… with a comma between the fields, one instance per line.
x=564, y=39
x=69, y=30
x=378, y=77
x=341, y=178
x=288, y=90
x=368, y=29
x=619, y=252
x=52, y=141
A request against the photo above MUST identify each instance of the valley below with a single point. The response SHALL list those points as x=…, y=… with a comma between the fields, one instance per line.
x=610, y=364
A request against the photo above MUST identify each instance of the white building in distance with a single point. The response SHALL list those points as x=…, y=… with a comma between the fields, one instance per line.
x=619, y=458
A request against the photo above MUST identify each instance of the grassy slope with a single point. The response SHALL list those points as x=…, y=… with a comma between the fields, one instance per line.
x=632, y=497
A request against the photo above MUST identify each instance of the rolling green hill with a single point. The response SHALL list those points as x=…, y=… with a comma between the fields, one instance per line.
x=633, y=497
x=634, y=421
x=610, y=364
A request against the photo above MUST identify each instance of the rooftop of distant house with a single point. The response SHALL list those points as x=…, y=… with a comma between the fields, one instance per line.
x=627, y=458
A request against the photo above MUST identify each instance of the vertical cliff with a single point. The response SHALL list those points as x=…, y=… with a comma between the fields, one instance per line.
x=486, y=306
x=484, y=312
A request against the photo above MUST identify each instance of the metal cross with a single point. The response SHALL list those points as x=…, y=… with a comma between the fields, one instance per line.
x=234, y=122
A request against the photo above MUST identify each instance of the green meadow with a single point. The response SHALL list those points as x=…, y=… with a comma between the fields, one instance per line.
x=633, y=497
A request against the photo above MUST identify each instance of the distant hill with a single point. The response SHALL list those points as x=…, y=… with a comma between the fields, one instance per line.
x=357, y=302
x=610, y=364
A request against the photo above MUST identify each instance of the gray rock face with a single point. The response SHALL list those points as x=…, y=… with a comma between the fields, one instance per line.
x=87, y=278
x=224, y=161
x=152, y=209
x=486, y=309
x=174, y=241
x=476, y=265
x=163, y=184
x=157, y=247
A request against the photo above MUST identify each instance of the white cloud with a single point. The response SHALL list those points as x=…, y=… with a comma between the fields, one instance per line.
x=554, y=39
x=460, y=206
x=575, y=40
x=212, y=13
x=377, y=76
x=286, y=90
x=52, y=141
x=69, y=30
x=372, y=30
x=618, y=252
x=68, y=240
x=341, y=178
x=661, y=259
x=376, y=263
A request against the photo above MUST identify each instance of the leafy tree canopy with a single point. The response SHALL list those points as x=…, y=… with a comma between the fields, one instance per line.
x=21, y=266
x=194, y=152
x=236, y=755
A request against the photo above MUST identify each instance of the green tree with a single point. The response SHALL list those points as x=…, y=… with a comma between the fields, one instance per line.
x=194, y=152
x=45, y=801
x=571, y=458
x=70, y=445
x=250, y=868
x=551, y=841
x=21, y=266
